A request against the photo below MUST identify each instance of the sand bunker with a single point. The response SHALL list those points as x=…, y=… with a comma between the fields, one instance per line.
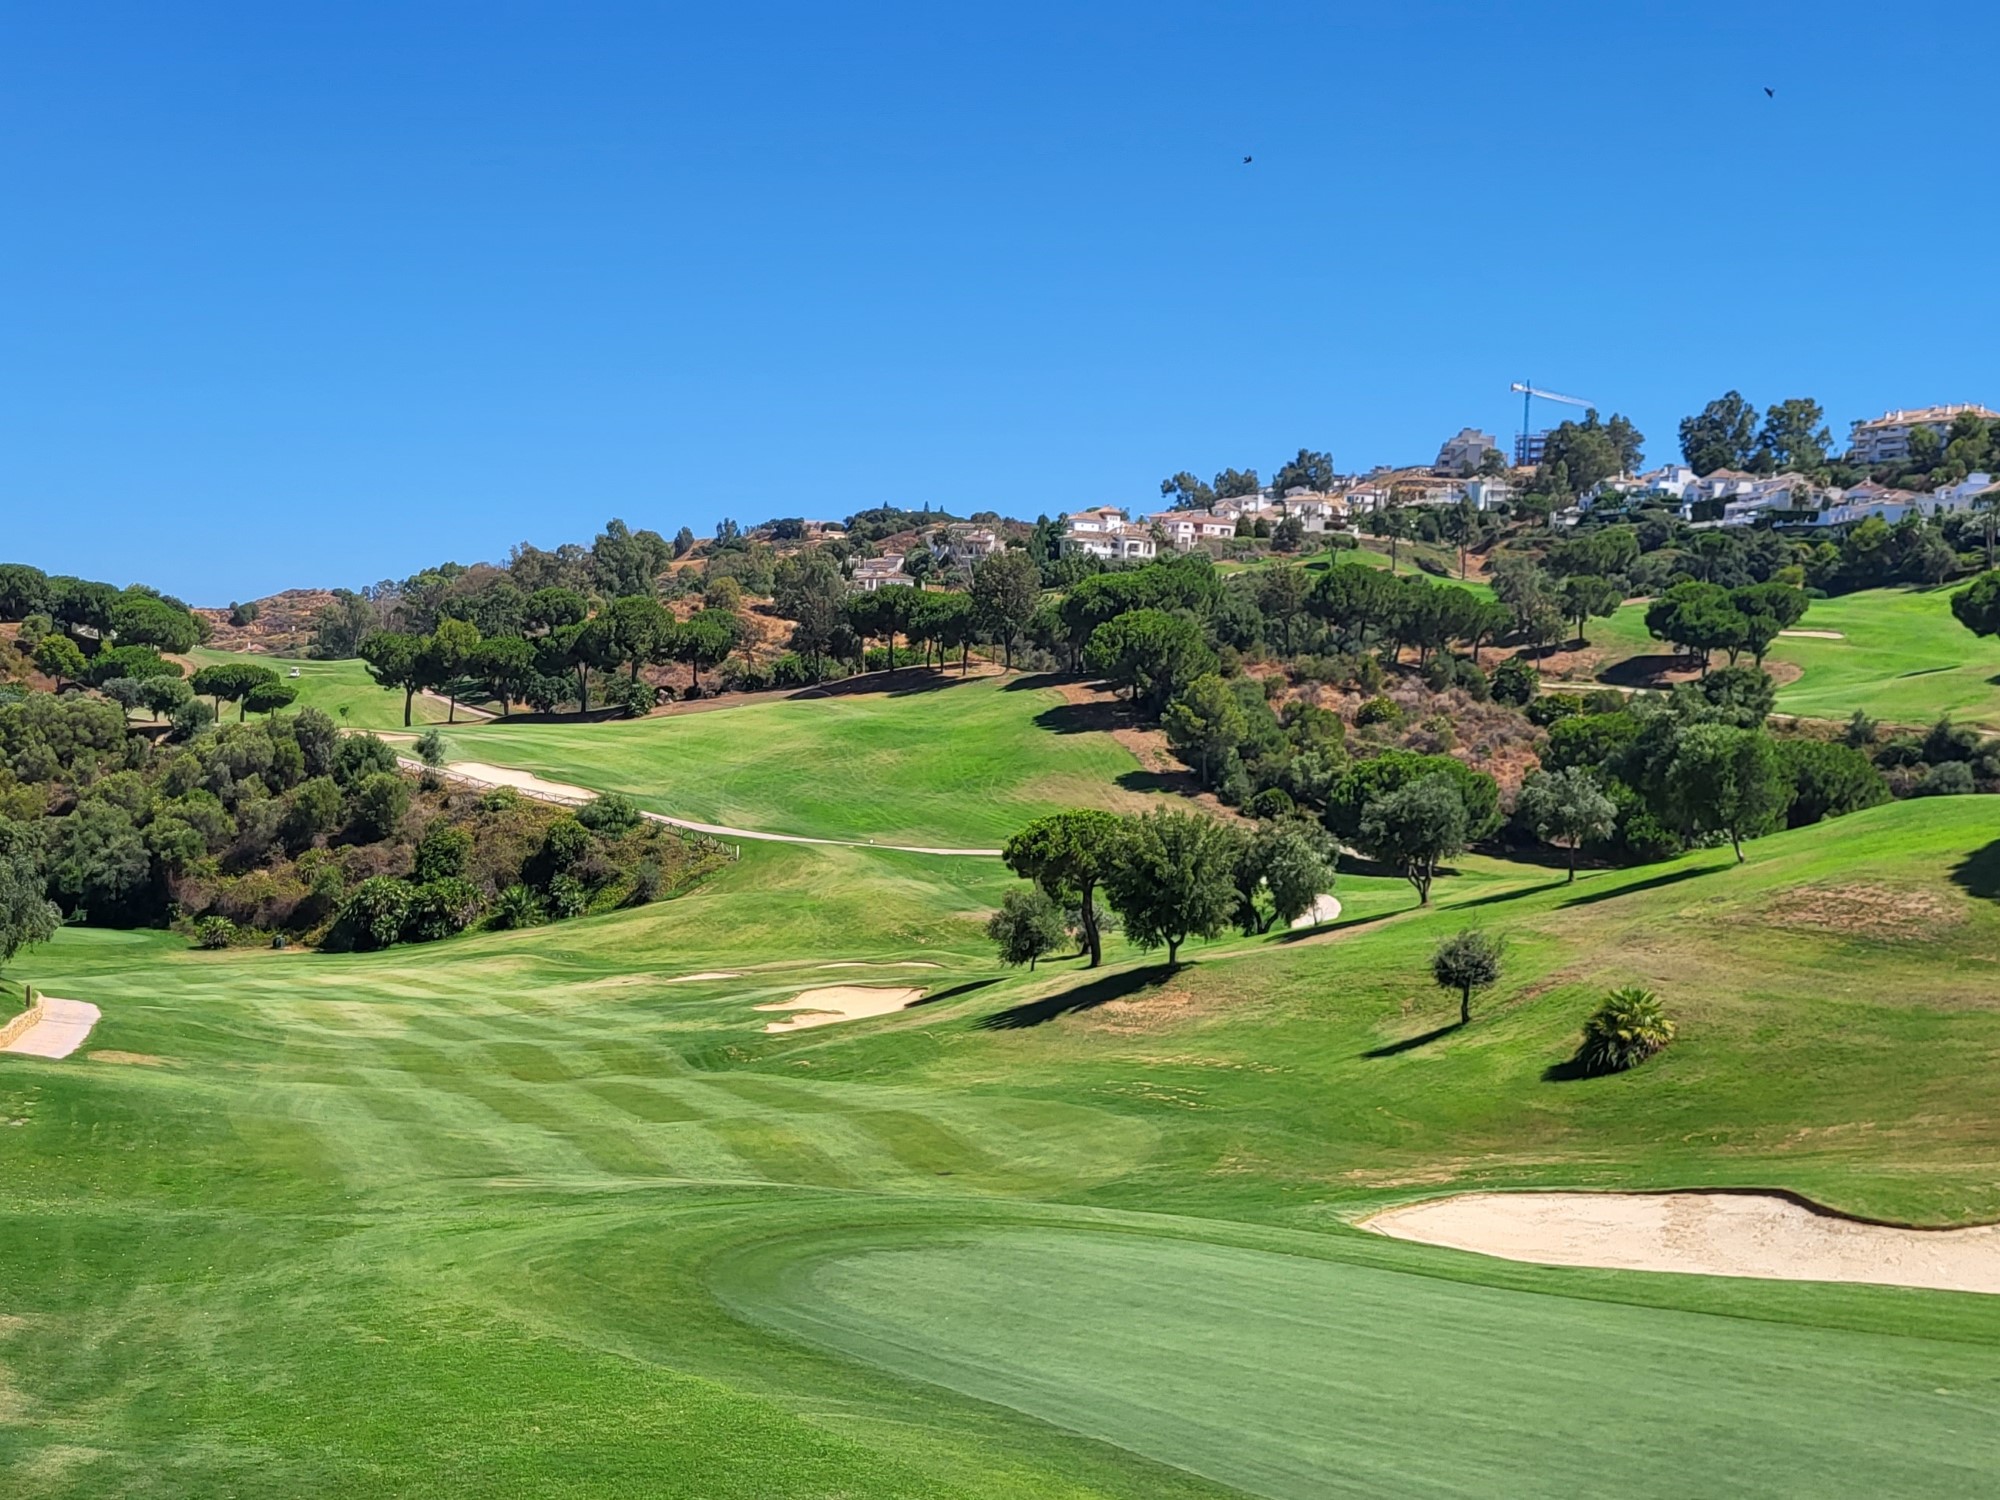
x=838, y=1002
x=705, y=974
x=1323, y=909
x=521, y=781
x=1707, y=1234
x=908, y=963
x=57, y=1028
x=1816, y=635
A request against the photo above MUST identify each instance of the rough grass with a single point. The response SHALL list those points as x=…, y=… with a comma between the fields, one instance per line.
x=514, y=1216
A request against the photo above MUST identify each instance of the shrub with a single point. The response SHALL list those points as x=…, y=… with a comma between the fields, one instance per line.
x=647, y=882
x=501, y=799
x=214, y=932
x=566, y=842
x=380, y=800
x=430, y=748
x=190, y=719
x=373, y=916
x=443, y=852
x=1550, y=708
x=1951, y=779
x=518, y=906
x=635, y=696
x=611, y=814
x=440, y=908
x=567, y=897
x=1438, y=673
x=1272, y=802
x=1517, y=682
x=1472, y=680
x=1629, y=1027
x=1379, y=710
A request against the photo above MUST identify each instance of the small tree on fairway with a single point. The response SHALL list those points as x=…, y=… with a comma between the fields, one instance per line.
x=1067, y=854
x=1727, y=780
x=1027, y=927
x=394, y=660
x=1629, y=1027
x=1173, y=877
x=1566, y=808
x=1466, y=961
x=1416, y=828
x=1291, y=861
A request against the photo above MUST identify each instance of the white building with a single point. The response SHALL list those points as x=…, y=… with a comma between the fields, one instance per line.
x=1101, y=518
x=1464, y=452
x=1947, y=499
x=1127, y=543
x=1487, y=493
x=872, y=573
x=1185, y=528
x=1886, y=439
x=966, y=546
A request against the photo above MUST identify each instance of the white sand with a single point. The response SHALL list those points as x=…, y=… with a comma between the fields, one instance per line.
x=908, y=963
x=1323, y=909
x=1816, y=635
x=58, y=1031
x=706, y=974
x=838, y=1002
x=1709, y=1234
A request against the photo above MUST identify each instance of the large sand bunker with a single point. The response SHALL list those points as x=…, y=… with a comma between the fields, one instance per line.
x=838, y=1002
x=1815, y=635
x=1707, y=1234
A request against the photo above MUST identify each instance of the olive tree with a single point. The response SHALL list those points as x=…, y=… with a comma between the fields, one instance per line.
x=1468, y=960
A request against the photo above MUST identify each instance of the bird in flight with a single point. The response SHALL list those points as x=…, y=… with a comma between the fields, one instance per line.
x=1770, y=93
x=1246, y=161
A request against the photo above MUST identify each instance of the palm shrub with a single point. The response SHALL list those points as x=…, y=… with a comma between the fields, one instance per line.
x=1629, y=1027
x=518, y=906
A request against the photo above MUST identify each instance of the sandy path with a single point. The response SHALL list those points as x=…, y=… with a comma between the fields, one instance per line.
x=479, y=773
x=1323, y=909
x=1708, y=1234
x=838, y=1002
x=1815, y=635
x=58, y=1031
x=705, y=974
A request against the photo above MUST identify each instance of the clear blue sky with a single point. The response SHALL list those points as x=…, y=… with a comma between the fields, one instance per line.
x=321, y=293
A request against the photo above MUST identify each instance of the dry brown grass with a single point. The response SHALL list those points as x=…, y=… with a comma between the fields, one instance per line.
x=1876, y=912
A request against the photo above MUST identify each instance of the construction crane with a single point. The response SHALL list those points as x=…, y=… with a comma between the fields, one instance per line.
x=1528, y=394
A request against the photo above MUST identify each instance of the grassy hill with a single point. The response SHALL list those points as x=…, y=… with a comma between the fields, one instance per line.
x=341, y=688
x=938, y=762
x=517, y=1216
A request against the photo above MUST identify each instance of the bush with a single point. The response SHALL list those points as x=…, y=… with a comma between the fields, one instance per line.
x=190, y=719
x=380, y=800
x=611, y=814
x=440, y=908
x=430, y=748
x=518, y=906
x=565, y=844
x=1828, y=780
x=443, y=852
x=1439, y=673
x=1272, y=802
x=1379, y=710
x=1629, y=1027
x=373, y=916
x=1468, y=677
x=1517, y=682
x=501, y=799
x=567, y=898
x=647, y=882
x=635, y=696
x=1952, y=779
x=214, y=932
x=1551, y=707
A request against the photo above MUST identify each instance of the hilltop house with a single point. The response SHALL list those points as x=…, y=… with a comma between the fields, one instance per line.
x=1104, y=532
x=965, y=546
x=1184, y=528
x=1886, y=439
x=872, y=573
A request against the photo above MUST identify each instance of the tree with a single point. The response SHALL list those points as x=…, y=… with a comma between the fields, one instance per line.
x=1006, y=587
x=1828, y=780
x=394, y=659
x=1586, y=453
x=1721, y=436
x=1584, y=597
x=1308, y=471
x=145, y=620
x=705, y=640
x=1566, y=808
x=625, y=562
x=504, y=663
x=162, y=695
x=1204, y=722
x=1727, y=780
x=636, y=630
x=1027, y=927
x=1392, y=523
x=1293, y=862
x=809, y=591
x=1066, y=854
x=1235, y=484
x=27, y=916
x=58, y=657
x=1795, y=436
x=550, y=609
x=1173, y=877
x=269, y=697
x=1468, y=960
x=24, y=591
x=1416, y=828
x=1977, y=606
x=1150, y=653
x=1187, y=492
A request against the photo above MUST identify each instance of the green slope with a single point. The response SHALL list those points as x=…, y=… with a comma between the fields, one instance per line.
x=340, y=688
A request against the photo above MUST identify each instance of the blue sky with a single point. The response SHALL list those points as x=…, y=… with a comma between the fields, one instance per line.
x=318, y=294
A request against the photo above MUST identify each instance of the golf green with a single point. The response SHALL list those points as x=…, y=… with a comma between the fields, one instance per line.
x=1289, y=1376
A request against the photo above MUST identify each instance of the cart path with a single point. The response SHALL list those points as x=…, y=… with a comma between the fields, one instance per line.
x=57, y=1031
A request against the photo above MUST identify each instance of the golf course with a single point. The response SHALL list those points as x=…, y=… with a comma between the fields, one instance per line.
x=556, y=1212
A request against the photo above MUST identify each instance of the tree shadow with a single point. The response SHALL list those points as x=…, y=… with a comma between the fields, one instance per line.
x=1979, y=872
x=1645, y=671
x=1028, y=682
x=904, y=682
x=1181, y=783
x=1087, y=996
x=1658, y=881
x=1083, y=718
x=1569, y=1070
x=1300, y=934
x=953, y=993
x=1411, y=1043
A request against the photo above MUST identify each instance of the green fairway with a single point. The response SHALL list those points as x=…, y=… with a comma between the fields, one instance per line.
x=522, y=1214
x=340, y=688
x=943, y=762
x=1899, y=657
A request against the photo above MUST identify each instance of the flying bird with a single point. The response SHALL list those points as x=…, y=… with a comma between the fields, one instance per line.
x=1770, y=94
x=1246, y=161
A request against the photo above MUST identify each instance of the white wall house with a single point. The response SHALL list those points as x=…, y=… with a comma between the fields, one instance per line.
x=1886, y=439
x=1184, y=528
x=872, y=573
x=1949, y=498
x=1464, y=451
x=966, y=546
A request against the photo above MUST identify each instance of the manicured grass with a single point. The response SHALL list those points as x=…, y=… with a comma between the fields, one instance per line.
x=515, y=1215
x=1901, y=658
x=341, y=688
x=937, y=762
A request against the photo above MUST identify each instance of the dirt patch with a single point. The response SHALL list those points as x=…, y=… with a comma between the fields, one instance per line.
x=706, y=974
x=1764, y=1235
x=1880, y=913
x=129, y=1059
x=838, y=1002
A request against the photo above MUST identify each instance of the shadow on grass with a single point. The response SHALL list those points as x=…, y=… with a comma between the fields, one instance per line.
x=1300, y=934
x=953, y=993
x=1180, y=783
x=1086, y=996
x=1656, y=883
x=1513, y=895
x=1084, y=718
x=1028, y=682
x=1978, y=873
x=1569, y=1070
x=904, y=682
x=1411, y=1043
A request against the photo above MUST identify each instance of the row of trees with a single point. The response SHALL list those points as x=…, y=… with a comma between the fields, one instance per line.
x=1308, y=469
